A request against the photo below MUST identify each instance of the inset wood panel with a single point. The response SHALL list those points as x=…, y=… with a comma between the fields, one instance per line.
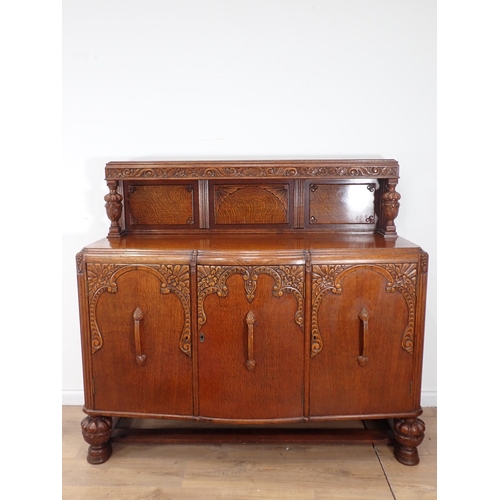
x=160, y=205
x=250, y=204
x=341, y=203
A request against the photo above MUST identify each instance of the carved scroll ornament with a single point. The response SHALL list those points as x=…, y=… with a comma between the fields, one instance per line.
x=248, y=171
x=400, y=278
x=173, y=279
x=287, y=279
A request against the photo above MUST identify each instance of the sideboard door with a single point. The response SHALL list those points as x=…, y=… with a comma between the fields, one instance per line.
x=251, y=342
x=363, y=339
x=140, y=335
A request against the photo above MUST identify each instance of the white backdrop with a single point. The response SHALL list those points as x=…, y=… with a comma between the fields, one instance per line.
x=235, y=79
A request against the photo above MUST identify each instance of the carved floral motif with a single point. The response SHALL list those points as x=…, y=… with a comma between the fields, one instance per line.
x=401, y=278
x=173, y=279
x=287, y=279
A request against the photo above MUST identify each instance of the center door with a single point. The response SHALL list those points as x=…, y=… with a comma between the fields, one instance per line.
x=251, y=342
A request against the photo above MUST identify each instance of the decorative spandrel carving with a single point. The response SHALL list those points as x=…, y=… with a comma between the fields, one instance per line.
x=324, y=280
x=400, y=278
x=405, y=282
x=177, y=282
x=173, y=279
x=287, y=279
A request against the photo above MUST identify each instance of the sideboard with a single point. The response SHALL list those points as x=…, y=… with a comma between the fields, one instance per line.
x=250, y=296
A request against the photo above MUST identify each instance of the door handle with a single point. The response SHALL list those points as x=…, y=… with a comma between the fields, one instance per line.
x=363, y=316
x=250, y=320
x=139, y=357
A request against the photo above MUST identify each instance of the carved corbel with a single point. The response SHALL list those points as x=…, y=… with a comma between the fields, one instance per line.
x=114, y=209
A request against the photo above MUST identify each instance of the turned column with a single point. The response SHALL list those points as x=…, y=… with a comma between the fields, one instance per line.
x=96, y=431
x=390, y=208
x=114, y=209
x=409, y=433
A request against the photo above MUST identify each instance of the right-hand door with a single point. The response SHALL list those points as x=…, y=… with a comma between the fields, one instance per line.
x=363, y=318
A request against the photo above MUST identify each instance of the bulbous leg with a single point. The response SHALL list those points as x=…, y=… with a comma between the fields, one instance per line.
x=96, y=431
x=409, y=433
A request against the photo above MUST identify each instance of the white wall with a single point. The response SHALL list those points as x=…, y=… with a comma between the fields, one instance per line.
x=246, y=79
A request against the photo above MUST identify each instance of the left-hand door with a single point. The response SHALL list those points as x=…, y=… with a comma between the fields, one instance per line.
x=140, y=336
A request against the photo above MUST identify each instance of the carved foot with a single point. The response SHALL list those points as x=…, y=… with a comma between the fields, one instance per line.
x=96, y=431
x=409, y=433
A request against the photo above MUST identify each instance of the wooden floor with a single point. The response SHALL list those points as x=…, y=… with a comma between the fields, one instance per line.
x=242, y=472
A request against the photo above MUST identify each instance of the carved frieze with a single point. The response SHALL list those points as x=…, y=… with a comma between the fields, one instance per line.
x=173, y=279
x=255, y=170
x=287, y=279
x=400, y=278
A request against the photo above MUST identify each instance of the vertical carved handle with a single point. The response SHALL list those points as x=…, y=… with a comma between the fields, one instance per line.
x=250, y=319
x=363, y=316
x=139, y=357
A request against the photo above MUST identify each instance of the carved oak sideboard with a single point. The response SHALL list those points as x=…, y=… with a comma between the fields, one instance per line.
x=253, y=293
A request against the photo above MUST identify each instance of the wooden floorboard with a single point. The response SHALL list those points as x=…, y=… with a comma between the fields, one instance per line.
x=246, y=471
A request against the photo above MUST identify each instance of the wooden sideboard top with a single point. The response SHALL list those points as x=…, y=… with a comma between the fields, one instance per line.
x=288, y=246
